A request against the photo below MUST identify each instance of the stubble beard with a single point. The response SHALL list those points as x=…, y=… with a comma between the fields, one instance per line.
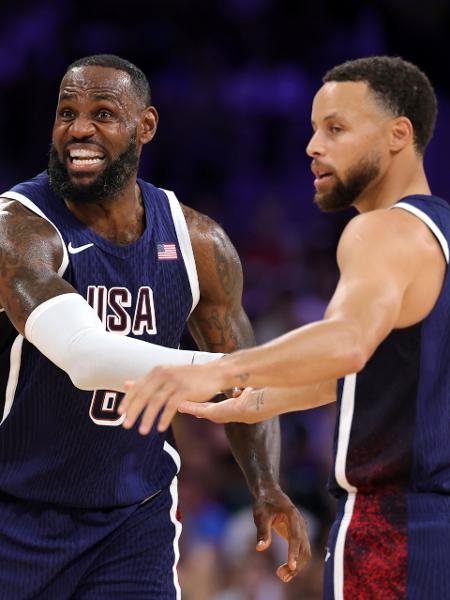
x=344, y=194
x=106, y=186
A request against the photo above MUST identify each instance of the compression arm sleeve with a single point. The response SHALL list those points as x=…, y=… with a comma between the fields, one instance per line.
x=70, y=334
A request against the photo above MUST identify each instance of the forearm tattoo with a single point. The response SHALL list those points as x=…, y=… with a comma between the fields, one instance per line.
x=259, y=400
x=243, y=377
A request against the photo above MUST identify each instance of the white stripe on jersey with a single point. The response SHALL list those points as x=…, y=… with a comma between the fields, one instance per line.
x=15, y=358
x=345, y=426
x=428, y=221
x=338, y=574
x=184, y=240
x=177, y=525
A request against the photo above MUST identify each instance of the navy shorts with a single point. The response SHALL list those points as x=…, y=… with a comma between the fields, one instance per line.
x=379, y=550
x=54, y=553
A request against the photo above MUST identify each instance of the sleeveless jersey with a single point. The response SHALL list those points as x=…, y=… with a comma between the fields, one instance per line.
x=392, y=454
x=65, y=446
x=393, y=426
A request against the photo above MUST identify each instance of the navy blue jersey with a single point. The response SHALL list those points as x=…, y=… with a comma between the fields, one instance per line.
x=393, y=424
x=65, y=446
x=392, y=454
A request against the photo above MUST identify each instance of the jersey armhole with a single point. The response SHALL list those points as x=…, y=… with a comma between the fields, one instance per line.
x=184, y=241
x=430, y=224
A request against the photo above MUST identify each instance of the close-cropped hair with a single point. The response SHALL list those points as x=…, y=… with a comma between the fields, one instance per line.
x=138, y=79
x=399, y=86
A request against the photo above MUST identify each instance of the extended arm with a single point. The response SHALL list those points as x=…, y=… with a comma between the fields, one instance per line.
x=392, y=269
x=57, y=320
x=254, y=405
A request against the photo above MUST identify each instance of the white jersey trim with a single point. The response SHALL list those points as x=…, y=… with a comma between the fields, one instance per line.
x=177, y=525
x=345, y=425
x=184, y=240
x=13, y=377
x=173, y=453
x=344, y=431
x=338, y=574
x=32, y=206
x=428, y=221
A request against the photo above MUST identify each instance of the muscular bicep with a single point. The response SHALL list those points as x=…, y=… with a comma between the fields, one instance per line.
x=219, y=322
x=30, y=254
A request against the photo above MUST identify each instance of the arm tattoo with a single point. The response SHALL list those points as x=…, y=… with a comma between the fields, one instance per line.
x=260, y=399
x=243, y=377
x=223, y=266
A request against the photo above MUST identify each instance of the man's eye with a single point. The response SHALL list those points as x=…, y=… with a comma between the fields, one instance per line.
x=66, y=114
x=104, y=114
x=335, y=129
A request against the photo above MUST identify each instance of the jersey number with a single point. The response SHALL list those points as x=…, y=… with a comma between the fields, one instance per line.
x=103, y=409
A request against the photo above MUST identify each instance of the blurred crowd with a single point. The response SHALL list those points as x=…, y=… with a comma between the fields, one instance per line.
x=233, y=82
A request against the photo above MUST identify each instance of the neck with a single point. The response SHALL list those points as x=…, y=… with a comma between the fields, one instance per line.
x=120, y=219
x=403, y=177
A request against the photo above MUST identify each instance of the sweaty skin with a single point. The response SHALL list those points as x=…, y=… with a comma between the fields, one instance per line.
x=98, y=111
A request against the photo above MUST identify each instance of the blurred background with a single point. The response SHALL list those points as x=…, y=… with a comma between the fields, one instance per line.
x=233, y=82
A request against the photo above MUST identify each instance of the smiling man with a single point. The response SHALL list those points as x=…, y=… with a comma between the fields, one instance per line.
x=386, y=334
x=99, y=273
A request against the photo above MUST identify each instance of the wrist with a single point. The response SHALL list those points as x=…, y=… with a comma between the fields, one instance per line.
x=266, y=487
x=230, y=371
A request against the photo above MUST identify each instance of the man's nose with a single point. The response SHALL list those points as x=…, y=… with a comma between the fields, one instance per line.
x=315, y=146
x=82, y=127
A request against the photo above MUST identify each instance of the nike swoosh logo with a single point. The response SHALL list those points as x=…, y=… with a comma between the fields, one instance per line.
x=73, y=250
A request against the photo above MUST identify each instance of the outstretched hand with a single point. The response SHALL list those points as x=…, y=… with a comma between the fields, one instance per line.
x=246, y=407
x=163, y=389
x=274, y=510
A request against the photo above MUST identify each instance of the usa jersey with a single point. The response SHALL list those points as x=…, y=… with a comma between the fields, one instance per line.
x=392, y=451
x=65, y=446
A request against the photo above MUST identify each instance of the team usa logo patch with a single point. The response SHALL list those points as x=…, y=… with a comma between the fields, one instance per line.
x=166, y=251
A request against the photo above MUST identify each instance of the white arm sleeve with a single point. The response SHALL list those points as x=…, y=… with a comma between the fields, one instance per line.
x=70, y=334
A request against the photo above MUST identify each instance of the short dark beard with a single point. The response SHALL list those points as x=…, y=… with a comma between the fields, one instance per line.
x=343, y=195
x=106, y=186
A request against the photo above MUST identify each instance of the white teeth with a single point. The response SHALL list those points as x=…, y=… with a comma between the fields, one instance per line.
x=84, y=153
x=86, y=161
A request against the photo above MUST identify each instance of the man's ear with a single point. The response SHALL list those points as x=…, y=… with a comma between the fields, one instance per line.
x=148, y=125
x=402, y=133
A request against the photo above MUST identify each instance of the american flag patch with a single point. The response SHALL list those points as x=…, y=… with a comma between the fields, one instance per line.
x=166, y=251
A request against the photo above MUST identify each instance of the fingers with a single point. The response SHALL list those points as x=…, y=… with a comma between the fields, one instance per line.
x=263, y=522
x=201, y=411
x=142, y=395
x=285, y=574
x=170, y=410
x=227, y=411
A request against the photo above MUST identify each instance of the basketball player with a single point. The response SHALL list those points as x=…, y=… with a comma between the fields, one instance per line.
x=386, y=329
x=98, y=271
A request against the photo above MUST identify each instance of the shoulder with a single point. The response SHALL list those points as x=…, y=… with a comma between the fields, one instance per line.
x=382, y=226
x=216, y=258
x=207, y=236
x=390, y=232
